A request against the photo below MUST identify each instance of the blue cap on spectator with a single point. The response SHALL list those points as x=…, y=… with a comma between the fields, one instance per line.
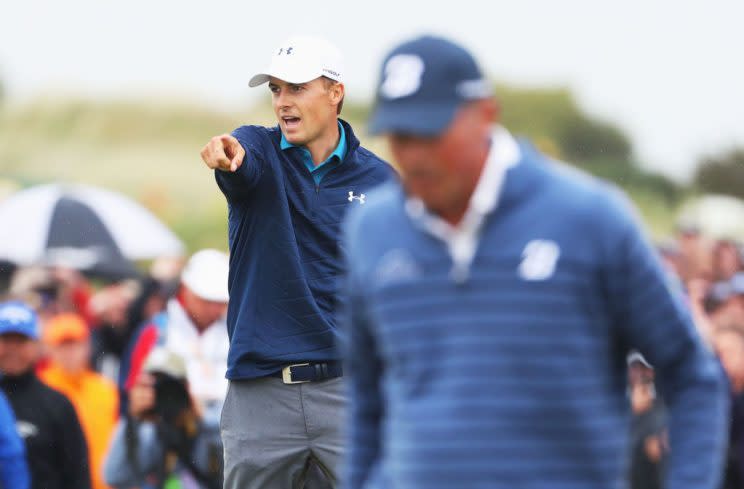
x=17, y=317
x=422, y=84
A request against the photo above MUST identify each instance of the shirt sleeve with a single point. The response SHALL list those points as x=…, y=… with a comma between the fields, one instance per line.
x=364, y=371
x=119, y=471
x=655, y=321
x=237, y=185
x=13, y=467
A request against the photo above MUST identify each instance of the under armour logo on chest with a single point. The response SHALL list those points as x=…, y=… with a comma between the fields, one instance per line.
x=359, y=197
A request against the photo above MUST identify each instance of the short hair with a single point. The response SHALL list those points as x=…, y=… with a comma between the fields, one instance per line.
x=328, y=84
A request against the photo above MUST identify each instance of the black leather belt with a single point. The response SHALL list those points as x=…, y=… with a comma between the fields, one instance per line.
x=299, y=373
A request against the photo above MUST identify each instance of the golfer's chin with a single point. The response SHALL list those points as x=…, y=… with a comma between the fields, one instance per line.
x=294, y=136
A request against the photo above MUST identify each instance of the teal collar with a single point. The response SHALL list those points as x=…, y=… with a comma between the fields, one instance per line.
x=331, y=162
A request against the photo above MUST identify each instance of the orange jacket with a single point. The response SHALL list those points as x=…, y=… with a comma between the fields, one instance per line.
x=97, y=403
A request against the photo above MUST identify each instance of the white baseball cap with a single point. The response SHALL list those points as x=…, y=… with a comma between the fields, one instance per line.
x=301, y=59
x=205, y=274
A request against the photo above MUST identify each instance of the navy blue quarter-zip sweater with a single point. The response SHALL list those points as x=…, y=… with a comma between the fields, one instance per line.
x=284, y=256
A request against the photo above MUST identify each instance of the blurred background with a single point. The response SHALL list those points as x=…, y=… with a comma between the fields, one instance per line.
x=124, y=94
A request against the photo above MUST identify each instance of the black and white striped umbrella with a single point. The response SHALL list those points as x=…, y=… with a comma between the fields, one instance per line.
x=81, y=227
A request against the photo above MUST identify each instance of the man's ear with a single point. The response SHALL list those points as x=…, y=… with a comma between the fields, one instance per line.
x=491, y=110
x=337, y=92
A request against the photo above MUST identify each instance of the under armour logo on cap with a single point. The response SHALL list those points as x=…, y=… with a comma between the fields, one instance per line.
x=301, y=59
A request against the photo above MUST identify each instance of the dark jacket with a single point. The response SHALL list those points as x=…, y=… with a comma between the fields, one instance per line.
x=734, y=476
x=55, y=445
x=644, y=472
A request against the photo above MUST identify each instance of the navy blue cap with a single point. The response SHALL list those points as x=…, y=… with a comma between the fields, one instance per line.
x=17, y=317
x=422, y=84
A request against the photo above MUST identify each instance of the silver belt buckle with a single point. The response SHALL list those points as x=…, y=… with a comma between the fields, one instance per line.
x=287, y=374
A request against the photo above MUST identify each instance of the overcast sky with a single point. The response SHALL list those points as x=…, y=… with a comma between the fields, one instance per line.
x=670, y=73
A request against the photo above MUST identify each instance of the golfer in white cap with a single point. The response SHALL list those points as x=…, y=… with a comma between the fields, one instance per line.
x=288, y=188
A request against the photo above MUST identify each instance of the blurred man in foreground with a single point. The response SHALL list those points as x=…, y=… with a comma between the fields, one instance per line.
x=493, y=299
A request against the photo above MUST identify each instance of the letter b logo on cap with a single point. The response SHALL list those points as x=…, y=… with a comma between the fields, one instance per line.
x=402, y=76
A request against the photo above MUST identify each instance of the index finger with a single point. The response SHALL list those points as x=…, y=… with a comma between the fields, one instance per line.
x=214, y=155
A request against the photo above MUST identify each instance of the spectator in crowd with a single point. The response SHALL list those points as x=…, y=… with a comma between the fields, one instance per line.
x=648, y=433
x=729, y=343
x=13, y=466
x=94, y=397
x=670, y=259
x=112, y=330
x=694, y=260
x=725, y=303
x=697, y=290
x=55, y=445
x=7, y=270
x=726, y=261
x=152, y=299
x=51, y=290
x=163, y=441
x=193, y=326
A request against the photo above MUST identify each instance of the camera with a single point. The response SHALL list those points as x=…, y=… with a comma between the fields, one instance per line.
x=171, y=397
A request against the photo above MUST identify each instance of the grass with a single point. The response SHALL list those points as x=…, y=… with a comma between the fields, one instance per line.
x=150, y=151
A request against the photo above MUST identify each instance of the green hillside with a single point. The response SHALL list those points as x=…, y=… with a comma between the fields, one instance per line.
x=150, y=151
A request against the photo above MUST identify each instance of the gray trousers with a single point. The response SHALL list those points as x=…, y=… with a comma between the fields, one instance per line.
x=280, y=436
